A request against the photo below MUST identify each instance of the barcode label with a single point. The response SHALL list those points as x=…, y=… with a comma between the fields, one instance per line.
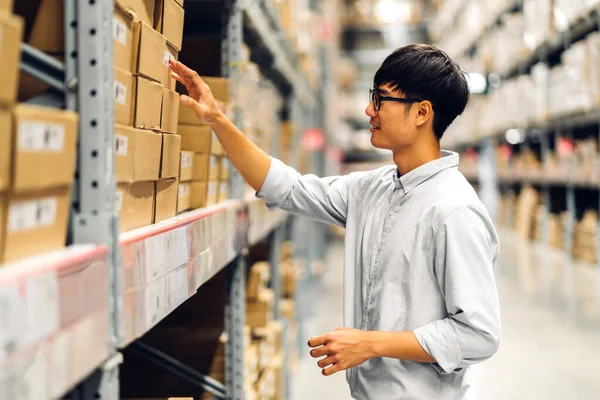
x=183, y=190
x=166, y=57
x=120, y=91
x=118, y=200
x=186, y=160
x=27, y=215
x=121, y=143
x=39, y=136
x=119, y=31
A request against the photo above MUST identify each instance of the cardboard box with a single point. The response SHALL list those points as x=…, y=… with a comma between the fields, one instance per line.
x=143, y=9
x=224, y=171
x=5, y=148
x=166, y=79
x=195, y=138
x=198, y=192
x=123, y=93
x=11, y=28
x=6, y=5
x=137, y=154
x=205, y=167
x=219, y=87
x=171, y=149
x=170, y=111
x=188, y=117
x=215, y=145
x=44, y=22
x=165, y=206
x=148, y=103
x=45, y=146
x=135, y=204
x=36, y=222
x=168, y=20
x=184, y=196
x=186, y=166
x=212, y=193
x=223, y=191
x=149, y=51
x=123, y=37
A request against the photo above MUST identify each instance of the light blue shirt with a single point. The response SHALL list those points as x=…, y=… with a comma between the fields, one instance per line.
x=419, y=255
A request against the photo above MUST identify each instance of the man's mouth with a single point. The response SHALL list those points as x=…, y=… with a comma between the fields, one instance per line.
x=373, y=126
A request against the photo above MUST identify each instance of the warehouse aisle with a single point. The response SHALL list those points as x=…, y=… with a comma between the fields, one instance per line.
x=551, y=328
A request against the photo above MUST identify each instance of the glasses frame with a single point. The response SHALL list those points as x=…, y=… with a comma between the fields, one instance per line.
x=376, y=99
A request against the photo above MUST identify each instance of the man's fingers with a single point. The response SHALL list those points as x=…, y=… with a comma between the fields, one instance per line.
x=187, y=76
x=326, y=361
x=331, y=370
x=319, y=352
x=176, y=76
x=317, y=341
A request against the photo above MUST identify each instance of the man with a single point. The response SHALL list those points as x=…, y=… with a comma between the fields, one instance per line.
x=420, y=299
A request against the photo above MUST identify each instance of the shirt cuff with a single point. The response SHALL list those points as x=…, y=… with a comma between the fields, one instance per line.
x=438, y=340
x=277, y=185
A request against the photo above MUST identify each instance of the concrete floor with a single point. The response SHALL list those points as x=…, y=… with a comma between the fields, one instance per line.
x=551, y=328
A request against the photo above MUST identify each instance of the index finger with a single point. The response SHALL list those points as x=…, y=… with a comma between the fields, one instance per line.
x=190, y=77
x=317, y=341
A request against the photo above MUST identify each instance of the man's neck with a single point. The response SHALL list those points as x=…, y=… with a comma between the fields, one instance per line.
x=412, y=158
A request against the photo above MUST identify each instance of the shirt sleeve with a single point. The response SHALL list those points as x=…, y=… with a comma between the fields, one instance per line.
x=323, y=199
x=465, y=250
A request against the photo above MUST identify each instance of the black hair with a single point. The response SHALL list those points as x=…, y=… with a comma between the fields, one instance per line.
x=426, y=72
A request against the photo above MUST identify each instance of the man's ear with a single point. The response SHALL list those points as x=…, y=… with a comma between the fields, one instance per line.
x=424, y=112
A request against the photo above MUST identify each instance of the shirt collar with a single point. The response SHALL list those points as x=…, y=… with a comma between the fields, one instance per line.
x=419, y=175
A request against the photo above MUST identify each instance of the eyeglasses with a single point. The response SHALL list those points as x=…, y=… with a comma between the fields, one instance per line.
x=376, y=99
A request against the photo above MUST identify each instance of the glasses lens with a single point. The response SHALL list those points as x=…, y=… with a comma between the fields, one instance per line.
x=376, y=101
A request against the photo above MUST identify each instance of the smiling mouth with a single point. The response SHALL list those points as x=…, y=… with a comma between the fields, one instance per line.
x=373, y=126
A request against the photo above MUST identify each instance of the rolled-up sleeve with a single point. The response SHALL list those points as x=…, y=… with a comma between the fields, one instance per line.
x=465, y=249
x=323, y=199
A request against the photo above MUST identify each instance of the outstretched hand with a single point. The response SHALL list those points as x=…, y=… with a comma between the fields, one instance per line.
x=341, y=349
x=200, y=98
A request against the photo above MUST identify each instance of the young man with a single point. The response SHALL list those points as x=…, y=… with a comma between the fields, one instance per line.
x=420, y=299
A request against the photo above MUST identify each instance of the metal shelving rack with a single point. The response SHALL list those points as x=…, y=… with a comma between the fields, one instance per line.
x=568, y=124
x=78, y=299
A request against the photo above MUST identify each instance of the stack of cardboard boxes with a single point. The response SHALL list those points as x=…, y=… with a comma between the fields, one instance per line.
x=146, y=34
x=204, y=169
x=528, y=202
x=37, y=159
x=585, y=241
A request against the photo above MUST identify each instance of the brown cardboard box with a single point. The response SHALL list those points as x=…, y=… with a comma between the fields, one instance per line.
x=212, y=193
x=36, y=222
x=135, y=204
x=171, y=149
x=6, y=5
x=214, y=167
x=165, y=206
x=215, y=146
x=148, y=104
x=184, y=196
x=11, y=28
x=45, y=146
x=5, y=148
x=123, y=92
x=137, y=154
x=195, y=138
x=168, y=20
x=259, y=312
x=224, y=171
x=219, y=87
x=166, y=80
x=186, y=166
x=223, y=191
x=123, y=37
x=3, y=207
x=143, y=9
x=44, y=24
x=258, y=278
x=200, y=167
x=198, y=192
x=188, y=117
x=170, y=111
x=149, y=51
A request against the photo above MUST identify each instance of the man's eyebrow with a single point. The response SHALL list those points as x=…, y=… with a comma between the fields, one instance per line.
x=382, y=91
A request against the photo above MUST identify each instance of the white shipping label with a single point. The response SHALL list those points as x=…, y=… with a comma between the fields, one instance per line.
x=121, y=144
x=42, y=306
x=118, y=200
x=31, y=214
x=212, y=188
x=40, y=136
x=186, y=160
x=166, y=57
x=156, y=253
x=119, y=31
x=178, y=286
x=120, y=91
x=183, y=189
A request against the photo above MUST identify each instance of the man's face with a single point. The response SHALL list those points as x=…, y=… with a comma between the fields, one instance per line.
x=392, y=127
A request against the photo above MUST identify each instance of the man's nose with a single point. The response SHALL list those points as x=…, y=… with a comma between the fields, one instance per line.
x=370, y=110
